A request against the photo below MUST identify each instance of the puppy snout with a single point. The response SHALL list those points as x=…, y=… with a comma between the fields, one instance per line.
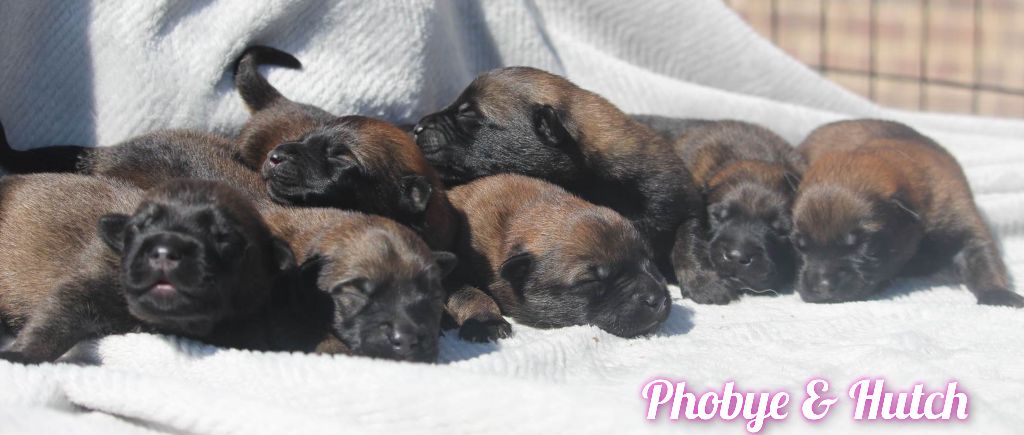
x=164, y=257
x=405, y=341
x=655, y=301
x=742, y=256
x=276, y=158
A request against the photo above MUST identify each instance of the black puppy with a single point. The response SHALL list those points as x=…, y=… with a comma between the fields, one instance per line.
x=309, y=157
x=527, y=121
x=749, y=177
x=193, y=256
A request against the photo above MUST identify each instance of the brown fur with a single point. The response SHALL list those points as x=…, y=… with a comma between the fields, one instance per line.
x=855, y=166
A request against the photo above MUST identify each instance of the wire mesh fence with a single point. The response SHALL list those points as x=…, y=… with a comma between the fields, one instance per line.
x=963, y=56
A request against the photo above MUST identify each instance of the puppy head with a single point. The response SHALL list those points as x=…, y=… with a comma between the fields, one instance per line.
x=595, y=269
x=386, y=290
x=194, y=253
x=353, y=162
x=750, y=222
x=850, y=242
x=510, y=120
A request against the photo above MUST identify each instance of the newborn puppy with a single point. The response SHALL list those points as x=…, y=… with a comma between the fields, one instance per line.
x=550, y=259
x=526, y=121
x=193, y=255
x=309, y=157
x=880, y=199
x=383, y=282
x=749, y=177
x=151, y=159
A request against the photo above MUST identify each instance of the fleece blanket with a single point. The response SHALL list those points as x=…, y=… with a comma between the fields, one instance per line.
x=95, y=73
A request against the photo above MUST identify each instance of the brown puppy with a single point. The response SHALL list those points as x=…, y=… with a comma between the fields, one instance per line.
x=148, y=160
x=550, y=259
x=193, y=256
x=526, y=121
x=879, y=199
x=309, y=157
x=379, y=283
x=749, y=177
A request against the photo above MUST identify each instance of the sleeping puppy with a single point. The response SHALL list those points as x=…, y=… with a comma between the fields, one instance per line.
x=550, y=259
x=879, y=200
x=383, y=282
x=749, y=177
x=80, y=263
x=149, y=160
x=526, y=121
x=308, y=157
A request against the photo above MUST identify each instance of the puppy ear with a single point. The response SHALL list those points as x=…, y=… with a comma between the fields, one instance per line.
x=792, y=180
x=516, y=268
x=282, y=254
x=416, y=190
x=111, y=228
x=309, y=271
x=446, y=261
x=550, y=126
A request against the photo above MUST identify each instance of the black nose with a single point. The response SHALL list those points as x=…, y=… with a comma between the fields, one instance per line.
x=276, y=157
x=164, y=257
x=653, y=300
x=742, y=256
x=418, y=129
x=404, y=341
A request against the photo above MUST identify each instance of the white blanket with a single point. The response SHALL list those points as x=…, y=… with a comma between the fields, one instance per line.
x=99, y=72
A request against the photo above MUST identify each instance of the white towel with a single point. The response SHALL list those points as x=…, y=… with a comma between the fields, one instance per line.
x=100, y=72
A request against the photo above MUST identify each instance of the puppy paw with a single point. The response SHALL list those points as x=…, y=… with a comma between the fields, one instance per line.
x=482, y=329
x=1003, y=298
x=709, y=289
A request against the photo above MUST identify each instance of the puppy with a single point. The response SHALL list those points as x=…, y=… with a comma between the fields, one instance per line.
x=381, y=282
x=192, y=255
x=309, y=157
x=149, y=160
x=880, y=199
x=749, y=177
x=526, y=121
x=550, y=259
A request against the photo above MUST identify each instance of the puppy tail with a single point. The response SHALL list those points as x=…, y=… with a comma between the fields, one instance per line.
x=255, y=90
x=50, y=159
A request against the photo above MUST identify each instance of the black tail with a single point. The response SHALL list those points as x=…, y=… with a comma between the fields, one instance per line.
x=256, y=91
x=50, y=159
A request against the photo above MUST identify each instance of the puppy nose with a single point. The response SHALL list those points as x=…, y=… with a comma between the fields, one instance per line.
x=404, y=341
x=652, y=300
x=418, y=129
x=740, y=256
x=276, y=157
x=164, y=257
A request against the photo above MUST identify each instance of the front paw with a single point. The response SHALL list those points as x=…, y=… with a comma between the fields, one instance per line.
x=710, y=289
x=1002, y=298
x=485, y=328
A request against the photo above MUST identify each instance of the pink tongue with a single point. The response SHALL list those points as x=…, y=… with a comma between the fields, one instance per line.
x=163, y=289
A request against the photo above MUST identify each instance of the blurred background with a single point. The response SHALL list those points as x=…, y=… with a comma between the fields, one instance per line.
x=956, y=56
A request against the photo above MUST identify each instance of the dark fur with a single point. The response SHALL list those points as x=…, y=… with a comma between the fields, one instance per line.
x=49, y=159
x=526, y=121
x=349, y=162
x=749, y=177
x=878, y=200
x=667, y=127
x=192, y=257
x=151, y=159
x=381, y=284
x=550, y=259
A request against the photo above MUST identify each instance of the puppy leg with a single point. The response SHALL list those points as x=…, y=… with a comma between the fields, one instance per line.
x=69, y=316
x=697, y=279
x=477, y=315
x=984, y=272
